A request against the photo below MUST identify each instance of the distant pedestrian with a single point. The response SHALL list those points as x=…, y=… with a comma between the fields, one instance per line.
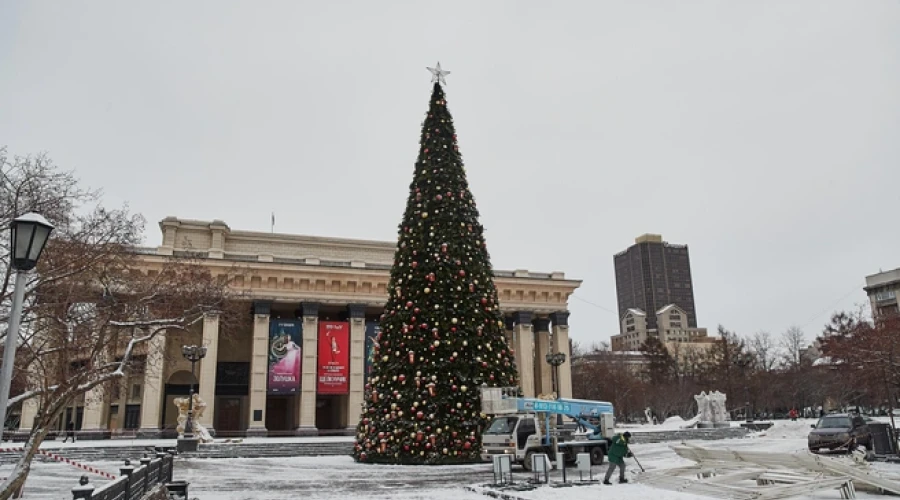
x=618, y=450
x=70, y=431
x=793, y=414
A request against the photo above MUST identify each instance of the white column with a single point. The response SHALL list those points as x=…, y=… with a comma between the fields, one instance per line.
x=29, y=411
x=561, y=344
x=92, y=422
x=208, y=369
x=543, y=376
x=124, y=384
x=307, y=401
x=259, y=366
x=509, y=332
x=357, y=362
x=524, y=351
x=152, y=396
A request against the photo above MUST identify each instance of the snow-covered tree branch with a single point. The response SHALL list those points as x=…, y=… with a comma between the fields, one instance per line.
x=92, y=307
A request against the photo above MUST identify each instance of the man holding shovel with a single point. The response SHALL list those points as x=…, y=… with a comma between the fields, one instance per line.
x=618, y=450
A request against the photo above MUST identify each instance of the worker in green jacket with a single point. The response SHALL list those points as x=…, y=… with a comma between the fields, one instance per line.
x=618, y=450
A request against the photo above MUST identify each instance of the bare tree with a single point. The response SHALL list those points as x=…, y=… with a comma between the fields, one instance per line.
x=89, y=308
x=793, y=342
x=763, y=346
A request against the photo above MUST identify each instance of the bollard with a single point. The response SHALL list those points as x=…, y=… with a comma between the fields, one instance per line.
x=84, y=489
x=127, y=469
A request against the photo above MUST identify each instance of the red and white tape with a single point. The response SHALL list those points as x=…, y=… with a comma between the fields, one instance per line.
x=65, y=460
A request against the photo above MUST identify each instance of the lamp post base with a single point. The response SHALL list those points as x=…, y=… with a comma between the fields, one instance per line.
x=187, y=444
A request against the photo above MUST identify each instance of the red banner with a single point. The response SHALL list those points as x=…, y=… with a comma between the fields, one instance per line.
x=334, y=358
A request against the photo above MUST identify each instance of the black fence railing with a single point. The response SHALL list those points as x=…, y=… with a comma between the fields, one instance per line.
x=134, y=482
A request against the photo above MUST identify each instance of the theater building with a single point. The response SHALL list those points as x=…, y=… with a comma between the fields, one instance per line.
x=298, y=365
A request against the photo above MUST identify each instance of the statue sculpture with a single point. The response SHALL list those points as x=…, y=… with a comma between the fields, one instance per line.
x=703, y=413
x=183, y=405
x=718, y=409
x=711, y=410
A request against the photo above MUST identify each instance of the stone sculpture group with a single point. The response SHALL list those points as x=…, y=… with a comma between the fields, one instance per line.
x=200, y=432
x=711, y=410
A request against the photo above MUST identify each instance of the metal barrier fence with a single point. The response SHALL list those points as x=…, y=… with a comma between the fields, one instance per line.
x=134, y=483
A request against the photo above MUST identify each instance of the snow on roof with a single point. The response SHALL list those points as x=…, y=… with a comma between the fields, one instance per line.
x=666, y=308
x=826, y=360
x=636, y=312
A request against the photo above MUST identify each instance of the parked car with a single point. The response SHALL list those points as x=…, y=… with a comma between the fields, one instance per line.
x=840, y=431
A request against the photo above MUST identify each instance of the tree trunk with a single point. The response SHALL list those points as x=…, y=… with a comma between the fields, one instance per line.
x=19, y=474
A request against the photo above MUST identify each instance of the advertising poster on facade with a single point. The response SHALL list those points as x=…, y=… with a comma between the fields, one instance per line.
x=334, y=357
x=372, y=331
x=285, y=356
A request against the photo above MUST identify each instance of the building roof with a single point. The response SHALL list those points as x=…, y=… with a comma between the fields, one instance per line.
x=635, y=312
x=649, y=238
x=669, y=307
x=882, y=279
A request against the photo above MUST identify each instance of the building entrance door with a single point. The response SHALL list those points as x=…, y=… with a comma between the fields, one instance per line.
x=229, y=414
x=278, y=414
x=329, y=411
x=132, y=416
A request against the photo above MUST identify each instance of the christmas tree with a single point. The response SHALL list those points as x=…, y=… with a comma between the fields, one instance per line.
x=441, y=332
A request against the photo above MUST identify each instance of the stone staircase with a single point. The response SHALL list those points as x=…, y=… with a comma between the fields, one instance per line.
x=95, y=454
x=266, y=450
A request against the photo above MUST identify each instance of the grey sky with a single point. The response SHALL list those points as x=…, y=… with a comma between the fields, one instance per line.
x=762, y=134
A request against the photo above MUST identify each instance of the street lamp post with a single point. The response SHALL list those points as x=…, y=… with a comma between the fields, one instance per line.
x=556, y=359
x=30, y=233
x=749, y=409
x=193, y=354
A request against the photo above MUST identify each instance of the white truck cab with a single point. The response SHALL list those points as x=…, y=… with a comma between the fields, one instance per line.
x=522, y=427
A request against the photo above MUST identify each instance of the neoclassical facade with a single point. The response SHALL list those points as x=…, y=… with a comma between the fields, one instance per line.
x=313, y=305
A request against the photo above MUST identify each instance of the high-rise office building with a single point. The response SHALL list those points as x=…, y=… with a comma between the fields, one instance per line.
x=652, y=274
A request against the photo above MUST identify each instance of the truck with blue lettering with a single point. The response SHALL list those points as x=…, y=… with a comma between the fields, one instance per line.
x=522, y=427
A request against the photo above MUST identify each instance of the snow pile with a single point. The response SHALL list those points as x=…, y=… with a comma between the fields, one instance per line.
x=786, y=429
x=627, y=491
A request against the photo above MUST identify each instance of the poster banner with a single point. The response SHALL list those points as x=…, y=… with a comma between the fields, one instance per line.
x=285, y=356
x=334, y=357
x=372, y=331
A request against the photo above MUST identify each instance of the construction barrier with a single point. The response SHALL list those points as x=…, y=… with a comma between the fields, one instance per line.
x=62, y=459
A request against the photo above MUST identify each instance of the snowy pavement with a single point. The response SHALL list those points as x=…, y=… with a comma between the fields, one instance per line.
x=340, y=478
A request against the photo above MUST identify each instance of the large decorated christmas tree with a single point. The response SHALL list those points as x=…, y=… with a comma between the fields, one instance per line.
x=441, y=332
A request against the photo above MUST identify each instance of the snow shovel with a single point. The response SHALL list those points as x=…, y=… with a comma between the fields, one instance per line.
x=636, y=461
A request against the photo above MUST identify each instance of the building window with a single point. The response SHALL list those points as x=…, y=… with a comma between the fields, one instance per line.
x=629, y=329
x=676, y=325
x=135, y=391
x=886, y=295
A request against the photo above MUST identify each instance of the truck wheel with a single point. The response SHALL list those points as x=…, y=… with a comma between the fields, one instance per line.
x=527, y=463
x=597, y=455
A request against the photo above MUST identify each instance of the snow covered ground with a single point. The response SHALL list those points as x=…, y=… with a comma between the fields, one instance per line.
x=338, y=478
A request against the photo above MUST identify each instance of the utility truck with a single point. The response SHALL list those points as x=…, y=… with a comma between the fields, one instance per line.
x=522, y=427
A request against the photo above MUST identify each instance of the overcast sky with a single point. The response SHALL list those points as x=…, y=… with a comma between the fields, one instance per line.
x=765, y=135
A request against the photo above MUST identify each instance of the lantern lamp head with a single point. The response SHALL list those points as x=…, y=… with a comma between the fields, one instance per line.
x=30, y=234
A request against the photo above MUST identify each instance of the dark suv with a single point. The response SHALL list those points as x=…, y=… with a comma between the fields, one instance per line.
x=840, y=431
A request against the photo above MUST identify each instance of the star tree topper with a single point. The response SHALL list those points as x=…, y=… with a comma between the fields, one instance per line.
x=438, y=74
